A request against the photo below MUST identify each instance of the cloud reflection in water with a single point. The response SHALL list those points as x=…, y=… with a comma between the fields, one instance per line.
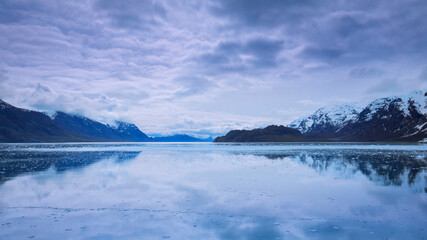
x=212, y=192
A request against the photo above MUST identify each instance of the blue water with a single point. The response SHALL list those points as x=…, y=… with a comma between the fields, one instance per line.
x=213, y=191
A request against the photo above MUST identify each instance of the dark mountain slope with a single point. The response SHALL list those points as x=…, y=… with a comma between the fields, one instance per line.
x=86, y=128
x=20, y=125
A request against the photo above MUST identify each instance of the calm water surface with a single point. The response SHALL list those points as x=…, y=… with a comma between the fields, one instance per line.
x=213, y=191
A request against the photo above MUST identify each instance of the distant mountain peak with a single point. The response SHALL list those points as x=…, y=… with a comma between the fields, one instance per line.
x=326, y=118
x=124, y=127
x=4, y=104
x=406, y=104
x=120, y=124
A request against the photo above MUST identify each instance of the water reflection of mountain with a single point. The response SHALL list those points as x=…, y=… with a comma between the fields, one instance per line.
x=386, y=168
x=14, y=163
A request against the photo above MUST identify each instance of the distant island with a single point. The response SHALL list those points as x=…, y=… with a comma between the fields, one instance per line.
x=271, y=133
x=398, y=118
x=22, y=125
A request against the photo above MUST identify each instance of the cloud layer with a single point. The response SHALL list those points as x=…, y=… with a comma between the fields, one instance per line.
x=204, y=67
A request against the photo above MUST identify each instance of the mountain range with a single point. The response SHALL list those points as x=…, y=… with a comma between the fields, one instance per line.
x=397, y=118
x=22, y=125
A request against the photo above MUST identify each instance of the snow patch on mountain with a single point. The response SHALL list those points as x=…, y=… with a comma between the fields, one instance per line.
x=419, y=100
x=3, y=105
x=121, y=126
x=51, y=114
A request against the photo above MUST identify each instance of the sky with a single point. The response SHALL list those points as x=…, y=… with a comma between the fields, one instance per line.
x=206, y=67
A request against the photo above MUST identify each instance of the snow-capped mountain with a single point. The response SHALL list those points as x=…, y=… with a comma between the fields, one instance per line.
x=326, y=119
x=129, y=130
x=407, y=105
x=384, y=119
x=391, y=118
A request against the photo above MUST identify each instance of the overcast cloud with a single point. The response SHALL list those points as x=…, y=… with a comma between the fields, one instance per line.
x=205, y=67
